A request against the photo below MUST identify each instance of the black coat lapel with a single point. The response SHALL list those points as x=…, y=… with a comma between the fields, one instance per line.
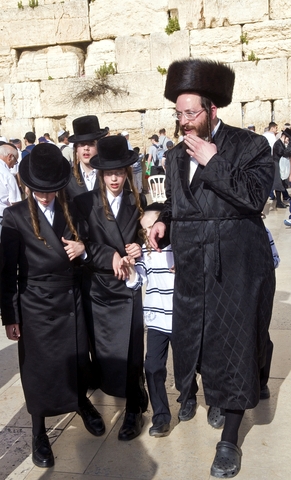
x=48, y=232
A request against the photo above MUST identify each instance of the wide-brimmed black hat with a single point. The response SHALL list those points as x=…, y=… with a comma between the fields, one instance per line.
x=206, y=78
x=287, y=132
x=45, y=169
x=113, y=153
x=87, y=128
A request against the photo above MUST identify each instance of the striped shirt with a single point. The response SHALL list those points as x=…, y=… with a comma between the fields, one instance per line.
x=153, y=270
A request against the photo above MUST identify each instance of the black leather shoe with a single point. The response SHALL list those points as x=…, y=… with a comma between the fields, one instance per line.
x=159, y=430
x=42, y=455
x=92, y=419
x=281, y=205
x=265, y=393
x=215, y=418
x=131, y=427
x=187, y=412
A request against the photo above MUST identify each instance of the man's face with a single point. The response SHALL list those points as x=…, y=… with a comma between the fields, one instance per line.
x=11, y=159
x=190, y=103
x=274, y=129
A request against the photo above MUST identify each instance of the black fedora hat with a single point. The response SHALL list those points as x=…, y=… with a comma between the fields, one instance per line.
x=113, y=153
x=287, y=132
x=45, y=169
x=87, y=128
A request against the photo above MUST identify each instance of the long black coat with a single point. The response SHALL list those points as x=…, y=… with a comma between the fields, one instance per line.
x=113, y=311
x=278, y=151
x=46, y=302
x=225, y=281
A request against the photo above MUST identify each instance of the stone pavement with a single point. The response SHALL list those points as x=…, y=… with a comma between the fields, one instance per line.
x=187, y=453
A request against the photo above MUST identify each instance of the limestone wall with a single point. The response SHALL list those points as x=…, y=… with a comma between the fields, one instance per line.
x=49, y=56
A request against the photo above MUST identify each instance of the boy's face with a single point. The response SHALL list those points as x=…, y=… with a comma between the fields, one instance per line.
x=148, y=220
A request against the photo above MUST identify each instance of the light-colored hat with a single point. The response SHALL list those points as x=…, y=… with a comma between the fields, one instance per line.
x=124, y=133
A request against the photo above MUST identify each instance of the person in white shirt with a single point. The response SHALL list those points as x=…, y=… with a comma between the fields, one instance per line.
x=271, y=134
x=156, y=271
x=9, y=191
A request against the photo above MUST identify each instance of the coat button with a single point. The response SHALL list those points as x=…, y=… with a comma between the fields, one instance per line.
x=72, y=314
x=70, y=292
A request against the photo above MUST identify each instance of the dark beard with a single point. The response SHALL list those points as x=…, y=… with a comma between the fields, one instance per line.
x=201, y=130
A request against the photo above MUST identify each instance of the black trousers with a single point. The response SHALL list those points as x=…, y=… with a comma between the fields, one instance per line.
x=265, y=370
x=156, y=374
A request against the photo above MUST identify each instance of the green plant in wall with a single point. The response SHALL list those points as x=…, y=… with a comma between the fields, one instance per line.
x=253, y=58
x=162, y=71
x=20, y=6
x=244, y=38
x=33, y=3
x=50, y=78
x=173, y=25
x=92, y=88
x=105, y=70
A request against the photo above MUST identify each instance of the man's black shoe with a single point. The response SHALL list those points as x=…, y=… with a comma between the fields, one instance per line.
x=187, y=412
x=160, y=430
x=265, y=393
x=42, y=455
x=92, y=419
x=131, y=427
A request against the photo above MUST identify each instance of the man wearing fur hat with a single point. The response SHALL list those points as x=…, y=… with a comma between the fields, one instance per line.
x=218, y=180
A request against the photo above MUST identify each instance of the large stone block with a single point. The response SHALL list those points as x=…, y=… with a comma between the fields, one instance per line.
x=52, y=62
x=8, y=59
x=224, y=13
x=61, y=22
x=232, y=114
x=109, y=20
x=280, y=9
x=257, y=113
x=97, y=54
x=58, y=98
x=282, y=112
x=268, y=39
x=190, y=14
x=221, y=44
x=133, y=54
x=259, y=81
x=2, y=107
x=167, y=48
x=143, y=92
x=22, y=100
x=16, y=127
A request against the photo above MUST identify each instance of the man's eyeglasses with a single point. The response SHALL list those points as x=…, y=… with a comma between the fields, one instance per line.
x=187, y=115
x=12, y=155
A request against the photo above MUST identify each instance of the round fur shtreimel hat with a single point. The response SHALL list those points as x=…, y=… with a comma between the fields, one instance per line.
x=45, y=169
x=113, y=153
x=206, y=78
x=87, y=128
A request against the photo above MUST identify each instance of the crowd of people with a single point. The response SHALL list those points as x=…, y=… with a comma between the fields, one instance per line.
x=79, y=241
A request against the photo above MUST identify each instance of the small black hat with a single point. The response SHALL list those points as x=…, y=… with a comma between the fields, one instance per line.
x=45, y=169
x=206, y=78
x=113, y=153
x=87, y=128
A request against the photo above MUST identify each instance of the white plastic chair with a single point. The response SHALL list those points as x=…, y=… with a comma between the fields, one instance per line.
x=157, y=188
